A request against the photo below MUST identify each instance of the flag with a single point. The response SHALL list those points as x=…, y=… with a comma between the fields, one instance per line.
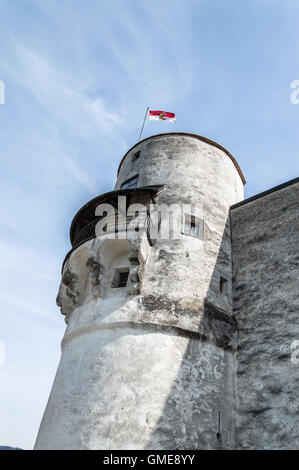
x=163, y=115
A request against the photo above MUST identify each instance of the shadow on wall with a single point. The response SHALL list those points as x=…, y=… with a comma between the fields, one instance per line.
x=199, y=412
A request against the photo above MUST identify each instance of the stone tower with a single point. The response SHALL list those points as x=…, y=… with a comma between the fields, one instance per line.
x=148, y=354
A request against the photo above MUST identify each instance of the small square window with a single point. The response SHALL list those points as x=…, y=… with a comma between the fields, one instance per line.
x=123, y=278
x=120, y=277
x=135, y=156
x=223, y=285
x=193, y=226
x=130, y=183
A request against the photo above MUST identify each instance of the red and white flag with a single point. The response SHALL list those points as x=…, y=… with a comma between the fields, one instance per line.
x=163, y=115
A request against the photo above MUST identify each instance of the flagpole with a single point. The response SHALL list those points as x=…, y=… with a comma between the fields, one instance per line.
x=147, y=109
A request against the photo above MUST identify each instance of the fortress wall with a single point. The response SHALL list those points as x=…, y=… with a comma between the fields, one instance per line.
x=137, y=388
x=265, y=240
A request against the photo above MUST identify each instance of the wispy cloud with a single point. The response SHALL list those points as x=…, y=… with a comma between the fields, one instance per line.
x=80, y=176
x=60, y=93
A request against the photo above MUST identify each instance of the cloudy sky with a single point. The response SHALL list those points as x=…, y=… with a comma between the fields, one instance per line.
x=78, y=77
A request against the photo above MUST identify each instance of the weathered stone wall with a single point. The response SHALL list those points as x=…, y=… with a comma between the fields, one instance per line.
x=265, y=240
x=153, y=367
x=124, y=387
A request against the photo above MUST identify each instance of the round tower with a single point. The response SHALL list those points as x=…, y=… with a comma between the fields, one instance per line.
x=148, y=353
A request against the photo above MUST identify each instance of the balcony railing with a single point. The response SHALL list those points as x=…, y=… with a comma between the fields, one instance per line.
x=111, y=224
x=85, y=233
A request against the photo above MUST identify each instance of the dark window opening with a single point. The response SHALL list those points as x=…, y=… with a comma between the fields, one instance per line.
x=223, y=285
x=120, y=278
x=218, y=435
x=123, y=278
x=130, y=183
x=135, y=156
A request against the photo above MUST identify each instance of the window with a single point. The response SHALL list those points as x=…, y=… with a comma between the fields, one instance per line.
x=223, y=285
x=122, y=280
x=193, y=226
x=120, y=277
x=130, y=183
x=135, y=160
x=135, y=156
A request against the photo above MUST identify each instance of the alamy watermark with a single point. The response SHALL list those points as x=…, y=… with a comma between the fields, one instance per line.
x=294, y=97
x=158, y=221
x=2, y=92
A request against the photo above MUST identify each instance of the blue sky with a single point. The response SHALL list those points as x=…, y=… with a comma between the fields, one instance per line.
x=78, y=77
